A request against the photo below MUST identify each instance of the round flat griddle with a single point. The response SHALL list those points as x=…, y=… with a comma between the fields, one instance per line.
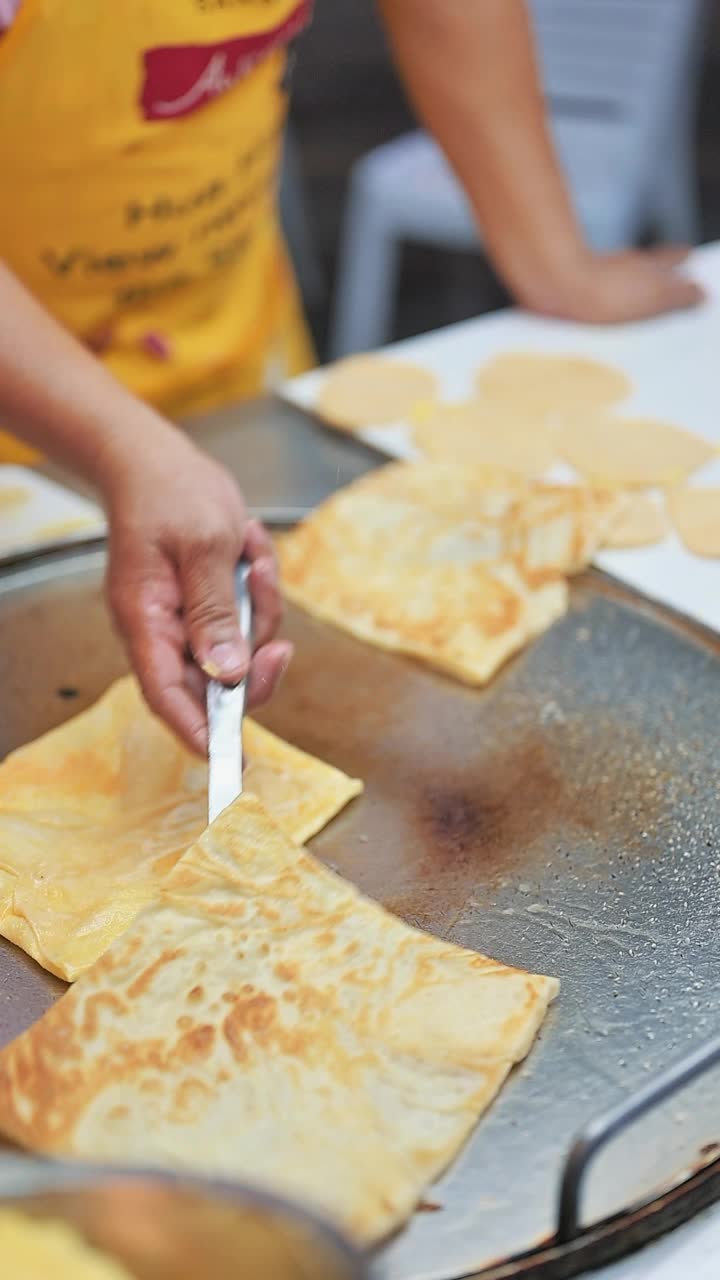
x=565, y=820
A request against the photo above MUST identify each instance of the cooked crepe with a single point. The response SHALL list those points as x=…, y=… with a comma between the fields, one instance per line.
x=631, y=452
x=696, y=516
x=487, y=433
x=465, y=620
x=453, y=566
x=443, y=486
x=558, y=528
x=547, y=382
x=262, y=1019
x=367, y=391
x=93, y=814
x=43, y=1249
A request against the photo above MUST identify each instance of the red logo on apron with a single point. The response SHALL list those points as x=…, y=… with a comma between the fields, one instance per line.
x=181, y=78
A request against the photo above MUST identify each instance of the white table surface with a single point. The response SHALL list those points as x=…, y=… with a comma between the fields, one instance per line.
x=46, y=516
x=674, y=364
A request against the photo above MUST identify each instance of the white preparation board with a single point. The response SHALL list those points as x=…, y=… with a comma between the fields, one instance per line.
x=674, y=364
x=36, y=513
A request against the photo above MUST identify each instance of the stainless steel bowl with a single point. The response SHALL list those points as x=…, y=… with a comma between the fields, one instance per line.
x=162, y=1226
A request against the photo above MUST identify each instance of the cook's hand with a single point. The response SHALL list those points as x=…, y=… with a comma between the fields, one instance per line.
x=616, y=287
x=178, y=527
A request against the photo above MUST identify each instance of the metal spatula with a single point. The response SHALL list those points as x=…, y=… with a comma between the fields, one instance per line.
x=225, y=710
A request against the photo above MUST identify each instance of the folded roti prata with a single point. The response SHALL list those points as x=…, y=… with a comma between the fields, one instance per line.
x=261, y=1019
x=455, y=565
x=94, y=813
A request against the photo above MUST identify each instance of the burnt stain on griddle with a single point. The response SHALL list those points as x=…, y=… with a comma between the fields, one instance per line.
x=453, y=818
x=495, y=815
x=465, y=788
x=499, y=818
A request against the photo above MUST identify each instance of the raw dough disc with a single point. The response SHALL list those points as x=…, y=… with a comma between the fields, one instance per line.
x=640, y=522
x=631, y=452
x=548, y=383
x=478, y=433
x=696, y=516
x=367, y=391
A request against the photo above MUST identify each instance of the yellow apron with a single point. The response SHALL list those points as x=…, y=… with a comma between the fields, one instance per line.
x=139, y=151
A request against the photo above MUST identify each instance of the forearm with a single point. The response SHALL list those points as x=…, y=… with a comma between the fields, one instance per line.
x=58, y=397
x=469, y=66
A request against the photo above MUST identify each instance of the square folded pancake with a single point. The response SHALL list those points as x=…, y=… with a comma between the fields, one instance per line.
x=263, y=1020
x=96, y=812
x=455, y=565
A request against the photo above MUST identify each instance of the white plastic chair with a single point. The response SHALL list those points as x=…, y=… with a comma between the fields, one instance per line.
x=620, y=81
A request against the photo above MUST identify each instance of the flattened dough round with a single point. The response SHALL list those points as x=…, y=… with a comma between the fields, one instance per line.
x=368, y=391
x=547, y=383
x=695, y=514
x=481, y=434
x=631, y=452
x=640, y=522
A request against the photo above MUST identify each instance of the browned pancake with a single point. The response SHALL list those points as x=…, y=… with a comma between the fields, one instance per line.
x=263, y=1020
x=95, y=813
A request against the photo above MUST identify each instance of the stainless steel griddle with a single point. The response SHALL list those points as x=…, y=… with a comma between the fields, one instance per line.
x=566, y=819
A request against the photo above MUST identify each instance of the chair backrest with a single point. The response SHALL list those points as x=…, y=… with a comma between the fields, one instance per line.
x=619, y=61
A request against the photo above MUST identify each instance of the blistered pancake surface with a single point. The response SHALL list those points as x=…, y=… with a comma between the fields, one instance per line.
x=264, y=1020
x=455, y=565
x=95, y=813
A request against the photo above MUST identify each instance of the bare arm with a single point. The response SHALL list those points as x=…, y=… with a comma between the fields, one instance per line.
x=470, y=68
x=57, y=396
x=177, y=521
